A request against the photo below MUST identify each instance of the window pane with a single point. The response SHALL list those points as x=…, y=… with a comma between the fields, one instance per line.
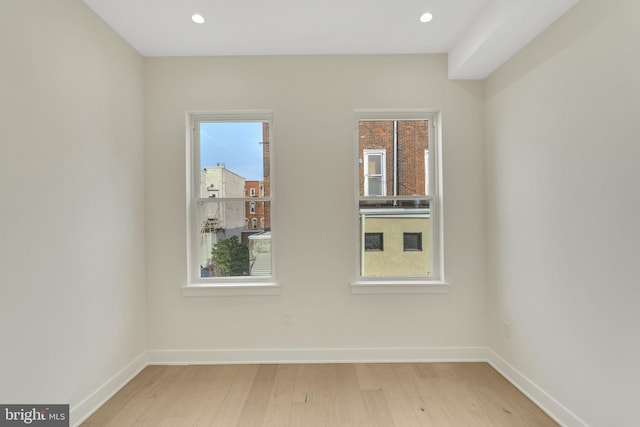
x=234, y=158
x=412, y=241
x=230, y=241
x=405, y=144
x=374, y=186
x=401, y=222
x=234, y=236
x=375, y=164
x=373, y=242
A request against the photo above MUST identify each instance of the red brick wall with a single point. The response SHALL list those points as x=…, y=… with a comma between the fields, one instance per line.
x=412, y=141
x=263, y=209
x=260, y=209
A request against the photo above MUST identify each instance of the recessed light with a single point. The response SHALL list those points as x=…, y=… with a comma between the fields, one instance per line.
x=426, y=17
x=198, y=19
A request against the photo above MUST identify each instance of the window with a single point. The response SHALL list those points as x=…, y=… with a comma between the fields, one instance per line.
x=373, y=242
x=375, y=183
x=226, y=152
x=398, y=198
x=412, y=242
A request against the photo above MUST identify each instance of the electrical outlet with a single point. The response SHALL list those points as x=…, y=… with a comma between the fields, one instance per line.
x=286, y=318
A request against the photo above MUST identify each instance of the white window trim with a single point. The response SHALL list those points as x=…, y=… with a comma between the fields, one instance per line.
x=383, y=164
x=436, y=283
x=195, y=285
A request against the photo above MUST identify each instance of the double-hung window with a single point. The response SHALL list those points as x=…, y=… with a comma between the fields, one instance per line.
x=227, y=252
x=374, y=172
x=399, y=203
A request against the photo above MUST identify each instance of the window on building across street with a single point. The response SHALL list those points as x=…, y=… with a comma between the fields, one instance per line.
x=373, y=242
x=398, y=197
x=230, y=152
x=412, y=241
x=375, y=183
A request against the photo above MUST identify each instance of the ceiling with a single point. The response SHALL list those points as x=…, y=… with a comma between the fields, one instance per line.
x=478, y=35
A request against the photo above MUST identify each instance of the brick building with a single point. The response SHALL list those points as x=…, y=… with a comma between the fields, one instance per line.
x=266, y=167
x=395, y=234
x=392, y=155
x=255, y=211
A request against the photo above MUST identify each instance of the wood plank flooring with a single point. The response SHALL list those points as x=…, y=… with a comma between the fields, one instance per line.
x=319, y=395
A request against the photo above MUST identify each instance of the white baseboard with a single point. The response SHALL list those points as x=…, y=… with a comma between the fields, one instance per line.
x=88, y=406
x=547, y=403
x=317, y=355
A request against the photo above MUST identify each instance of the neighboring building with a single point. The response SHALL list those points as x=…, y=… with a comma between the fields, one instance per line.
x=224, y=219
x=393, y=155
x=249, y=220
x=396, y=242
x=260, y=254
x=395, y=234
x=255, y=211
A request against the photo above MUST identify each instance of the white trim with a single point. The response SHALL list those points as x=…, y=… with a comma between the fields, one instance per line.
x=395, y=212
x=196, y=285
x=389, y=286
x=427, y=176
x=318, y=355
x=219, y=289
x=95, y=400
x=535, y=393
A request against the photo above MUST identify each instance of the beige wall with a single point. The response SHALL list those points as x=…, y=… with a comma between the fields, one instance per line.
x=315, y=216
x=72, y=275
x=561, y=153
x=563, y=167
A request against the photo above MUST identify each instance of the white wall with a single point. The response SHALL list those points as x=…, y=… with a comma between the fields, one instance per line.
x=563, y=211
x=561, y=167
x=72, y=275
x=313, y=99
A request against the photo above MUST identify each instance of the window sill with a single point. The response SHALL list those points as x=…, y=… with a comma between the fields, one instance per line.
x=234, y=289
x=399, y=287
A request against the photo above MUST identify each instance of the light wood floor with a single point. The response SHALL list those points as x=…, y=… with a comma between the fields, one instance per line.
x=333, y=395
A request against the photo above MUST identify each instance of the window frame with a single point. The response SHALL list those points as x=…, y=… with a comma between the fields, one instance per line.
x=434, y=283
x=223, y=286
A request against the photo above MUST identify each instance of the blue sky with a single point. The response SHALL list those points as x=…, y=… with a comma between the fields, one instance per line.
x=236, y=144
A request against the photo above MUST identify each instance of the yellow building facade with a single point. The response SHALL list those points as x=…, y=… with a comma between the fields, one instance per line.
x=395, y=242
